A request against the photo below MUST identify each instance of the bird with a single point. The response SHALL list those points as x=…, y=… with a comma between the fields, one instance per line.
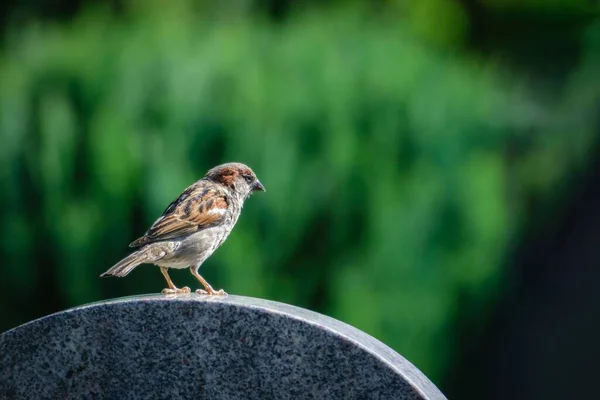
x=193, y=226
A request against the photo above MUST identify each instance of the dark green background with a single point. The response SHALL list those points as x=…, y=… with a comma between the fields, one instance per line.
x=408, y=149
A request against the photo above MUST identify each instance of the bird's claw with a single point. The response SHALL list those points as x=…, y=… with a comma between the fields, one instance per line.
x=183, y=290
x=212, y=292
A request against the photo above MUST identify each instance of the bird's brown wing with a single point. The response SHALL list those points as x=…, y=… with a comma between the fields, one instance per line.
x=199, y=207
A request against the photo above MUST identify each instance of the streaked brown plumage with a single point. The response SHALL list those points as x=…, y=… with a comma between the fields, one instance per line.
x=193, y=226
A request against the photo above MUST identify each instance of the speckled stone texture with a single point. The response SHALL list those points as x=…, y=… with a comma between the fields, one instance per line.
x=192, y=346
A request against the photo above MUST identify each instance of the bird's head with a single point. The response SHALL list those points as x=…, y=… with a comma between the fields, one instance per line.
x=237, y=177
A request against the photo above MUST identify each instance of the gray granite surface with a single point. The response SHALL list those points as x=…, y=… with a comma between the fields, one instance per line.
x=192, y=346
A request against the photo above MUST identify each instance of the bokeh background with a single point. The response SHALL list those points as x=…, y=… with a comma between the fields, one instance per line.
x=432, y=167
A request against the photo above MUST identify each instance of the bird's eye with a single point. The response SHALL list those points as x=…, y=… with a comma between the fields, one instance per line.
x=248, y=178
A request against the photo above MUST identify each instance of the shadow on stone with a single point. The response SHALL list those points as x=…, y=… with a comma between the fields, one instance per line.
x=193, y=346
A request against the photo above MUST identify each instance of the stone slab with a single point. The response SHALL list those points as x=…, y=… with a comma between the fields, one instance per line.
x=193, y=346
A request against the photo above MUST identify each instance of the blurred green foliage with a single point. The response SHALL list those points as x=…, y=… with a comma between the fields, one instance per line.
x=398, y=172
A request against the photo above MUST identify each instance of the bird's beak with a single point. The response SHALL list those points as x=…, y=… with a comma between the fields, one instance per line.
x=258, y=187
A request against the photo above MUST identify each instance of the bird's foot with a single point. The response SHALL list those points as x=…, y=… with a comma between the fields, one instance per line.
x=183, y=290
x=212, y=292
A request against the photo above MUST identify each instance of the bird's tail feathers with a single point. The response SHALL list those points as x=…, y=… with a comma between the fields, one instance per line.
x=126, y=265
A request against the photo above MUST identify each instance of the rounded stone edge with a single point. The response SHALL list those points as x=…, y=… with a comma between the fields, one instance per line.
x=387, y=355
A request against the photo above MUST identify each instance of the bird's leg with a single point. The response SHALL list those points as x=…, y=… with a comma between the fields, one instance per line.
x=172, y=288
x=208, y=289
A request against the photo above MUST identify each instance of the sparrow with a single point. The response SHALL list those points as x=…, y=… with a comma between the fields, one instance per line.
x=193, y=226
